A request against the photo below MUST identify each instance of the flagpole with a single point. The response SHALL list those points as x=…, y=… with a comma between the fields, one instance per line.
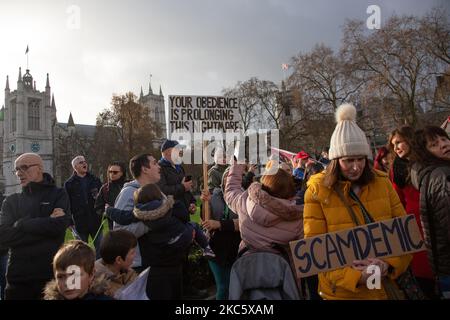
x=26, y=52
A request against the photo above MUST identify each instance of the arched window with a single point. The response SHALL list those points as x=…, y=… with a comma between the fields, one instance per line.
x=13, y=116
x=33, y=115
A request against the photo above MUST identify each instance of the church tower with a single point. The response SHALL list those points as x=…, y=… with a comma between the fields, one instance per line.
x=155, y=102
x=26, y=126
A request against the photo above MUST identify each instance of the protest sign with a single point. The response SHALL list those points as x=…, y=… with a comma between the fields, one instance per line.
x=336, y=250
x=202, y=113
x=198, y=114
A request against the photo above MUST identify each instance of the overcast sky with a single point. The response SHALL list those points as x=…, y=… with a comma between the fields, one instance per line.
x=194, y=47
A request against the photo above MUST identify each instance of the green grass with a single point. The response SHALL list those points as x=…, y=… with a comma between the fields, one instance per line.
x=69, y=235
x=196, y=217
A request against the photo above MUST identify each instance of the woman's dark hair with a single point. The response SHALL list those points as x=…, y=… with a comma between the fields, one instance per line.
x=420, y=153
x=333, y=174
x=400, y=171
x=122, y=167
x=147, y=193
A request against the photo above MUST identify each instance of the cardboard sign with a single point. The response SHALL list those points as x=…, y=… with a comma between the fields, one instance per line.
x=336, y=250
x=202, y=113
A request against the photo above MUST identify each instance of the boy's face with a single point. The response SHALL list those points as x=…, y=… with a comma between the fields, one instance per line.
x=74, y=282
x=128, y=262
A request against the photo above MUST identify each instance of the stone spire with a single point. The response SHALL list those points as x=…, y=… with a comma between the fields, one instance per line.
x=150, y=91
x=70, y=123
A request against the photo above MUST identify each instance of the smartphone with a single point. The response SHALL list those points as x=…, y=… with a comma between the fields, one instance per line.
x=188, y=178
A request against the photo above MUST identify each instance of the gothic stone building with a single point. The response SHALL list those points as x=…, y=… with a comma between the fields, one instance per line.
x=28, y=124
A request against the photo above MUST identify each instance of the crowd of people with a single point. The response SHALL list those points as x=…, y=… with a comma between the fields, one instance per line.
x=150, y=230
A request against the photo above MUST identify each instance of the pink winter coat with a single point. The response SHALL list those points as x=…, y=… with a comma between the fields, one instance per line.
x=263, y=220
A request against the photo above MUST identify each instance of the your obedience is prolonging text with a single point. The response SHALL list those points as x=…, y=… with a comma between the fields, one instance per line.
x=200, y=113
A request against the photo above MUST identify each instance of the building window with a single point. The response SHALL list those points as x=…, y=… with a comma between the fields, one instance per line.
x=13, y=116
x=33, y=115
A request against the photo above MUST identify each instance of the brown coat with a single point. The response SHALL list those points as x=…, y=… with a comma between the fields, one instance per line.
x=114, y=281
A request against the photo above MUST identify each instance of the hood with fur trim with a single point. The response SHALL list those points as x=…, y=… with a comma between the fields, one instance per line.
x=154, y=210
x=98, y=288
x=283, y=208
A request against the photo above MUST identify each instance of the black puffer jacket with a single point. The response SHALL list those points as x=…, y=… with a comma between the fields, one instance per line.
x=28, y=231
x=170, y=183
x=85, y=218
x=433, y=182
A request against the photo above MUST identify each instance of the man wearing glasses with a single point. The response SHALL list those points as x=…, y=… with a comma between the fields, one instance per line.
x=82, y=188
x=32, y=226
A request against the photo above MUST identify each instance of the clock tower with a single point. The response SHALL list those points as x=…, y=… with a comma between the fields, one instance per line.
x=27, y=125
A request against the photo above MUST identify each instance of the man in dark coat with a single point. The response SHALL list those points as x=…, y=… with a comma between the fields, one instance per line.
x=32, y=226
x=82, y=188
x=173, y=180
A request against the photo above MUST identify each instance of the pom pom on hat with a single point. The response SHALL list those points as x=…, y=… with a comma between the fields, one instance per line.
x=346, y=111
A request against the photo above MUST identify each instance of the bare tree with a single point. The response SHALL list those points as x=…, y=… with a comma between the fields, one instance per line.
x=435, y=29
x=266, y=93
x=394, y=62
x=326, y=79
x=247, y=102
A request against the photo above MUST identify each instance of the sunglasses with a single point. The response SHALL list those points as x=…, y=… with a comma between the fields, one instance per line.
x=24, y=167
x=113, y=171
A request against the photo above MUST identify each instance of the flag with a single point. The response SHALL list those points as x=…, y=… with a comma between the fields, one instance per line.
x=282, y=154
x=284, y=66
x=26, y=51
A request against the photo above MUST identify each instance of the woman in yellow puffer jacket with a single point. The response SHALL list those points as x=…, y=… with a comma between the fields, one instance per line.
x=324, y=211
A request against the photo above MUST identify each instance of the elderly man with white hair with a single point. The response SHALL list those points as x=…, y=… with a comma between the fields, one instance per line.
x=33, y=223
x=82, y=188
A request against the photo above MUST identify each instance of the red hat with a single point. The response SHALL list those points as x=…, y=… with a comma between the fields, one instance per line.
x=302, y=155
